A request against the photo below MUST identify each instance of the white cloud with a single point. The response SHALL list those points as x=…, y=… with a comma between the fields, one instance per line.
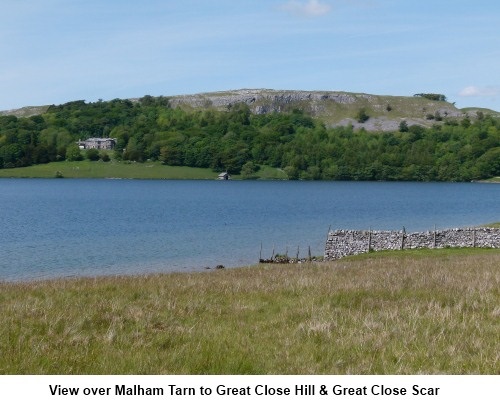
x=475, y=91
x=309, y=8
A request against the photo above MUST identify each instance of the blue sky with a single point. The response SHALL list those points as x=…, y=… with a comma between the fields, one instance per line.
x=54, y=51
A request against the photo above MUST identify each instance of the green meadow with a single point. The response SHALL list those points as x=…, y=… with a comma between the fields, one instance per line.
x=134, y=170
x=126, y=170
x=411, y=312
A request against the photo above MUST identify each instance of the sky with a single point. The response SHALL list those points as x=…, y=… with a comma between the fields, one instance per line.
x=55, y=51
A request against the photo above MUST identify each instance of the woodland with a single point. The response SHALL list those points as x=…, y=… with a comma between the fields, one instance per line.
x=238, y=141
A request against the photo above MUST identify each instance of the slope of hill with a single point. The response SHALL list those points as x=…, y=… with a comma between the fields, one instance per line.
x=335, y=108
x=26, y=111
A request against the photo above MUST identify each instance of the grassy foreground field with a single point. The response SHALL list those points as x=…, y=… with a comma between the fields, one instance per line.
x=381, y=313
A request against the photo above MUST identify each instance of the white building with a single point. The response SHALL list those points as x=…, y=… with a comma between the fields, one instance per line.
x=224, y=176
x=97, y=143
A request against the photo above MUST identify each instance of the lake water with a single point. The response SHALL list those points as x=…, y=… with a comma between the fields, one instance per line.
x=62, y=228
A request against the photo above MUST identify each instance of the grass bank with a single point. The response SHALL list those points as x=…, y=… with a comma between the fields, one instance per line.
x=125, y=170
x=382, y=313
x=490, y=180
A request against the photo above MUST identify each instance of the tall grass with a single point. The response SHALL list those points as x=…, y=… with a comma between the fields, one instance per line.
x=409, y=313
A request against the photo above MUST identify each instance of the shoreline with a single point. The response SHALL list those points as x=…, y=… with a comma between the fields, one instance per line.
x=125, y=170
x=279, y=261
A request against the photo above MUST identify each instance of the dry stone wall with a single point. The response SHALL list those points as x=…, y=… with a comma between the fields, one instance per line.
x=341, y=243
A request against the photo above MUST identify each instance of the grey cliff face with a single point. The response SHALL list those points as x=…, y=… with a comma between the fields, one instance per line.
x=261, y=101
x=336, y=108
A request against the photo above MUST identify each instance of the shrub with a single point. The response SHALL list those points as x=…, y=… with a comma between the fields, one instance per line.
x=362, y=116
x=403, y=126
x=92, y=154
x=73, y=153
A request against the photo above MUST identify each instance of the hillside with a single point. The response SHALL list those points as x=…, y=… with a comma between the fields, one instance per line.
x=334, y=108
x=29, y=111
x=305, y=135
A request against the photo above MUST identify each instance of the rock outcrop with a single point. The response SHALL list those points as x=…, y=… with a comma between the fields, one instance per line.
x=335, y=108
x=260, y=101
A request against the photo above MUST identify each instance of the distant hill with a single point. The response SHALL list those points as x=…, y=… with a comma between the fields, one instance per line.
x=26, y=111
x=335, y=108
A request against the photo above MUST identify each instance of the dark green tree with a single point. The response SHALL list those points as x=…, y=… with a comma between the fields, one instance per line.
x=248, y=170
x=92, y=154
x=362, y=116
x=403, y=126
x=73, y=153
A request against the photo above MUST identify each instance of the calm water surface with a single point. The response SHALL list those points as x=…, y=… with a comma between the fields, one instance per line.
x=62, y=227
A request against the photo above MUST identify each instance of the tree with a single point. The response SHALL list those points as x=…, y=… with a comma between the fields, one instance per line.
x=362, y=116
x=489, y=163
x=104, y=156
x=73, y=153
x=431, y=96
x=465, y=122
x=403, y=126
x=133, y=151
x=248, y=170
x=171, y=156
x=92, y=154
x=313, y=173
x=292, y=172
x=11, y=155
x=40, y=154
